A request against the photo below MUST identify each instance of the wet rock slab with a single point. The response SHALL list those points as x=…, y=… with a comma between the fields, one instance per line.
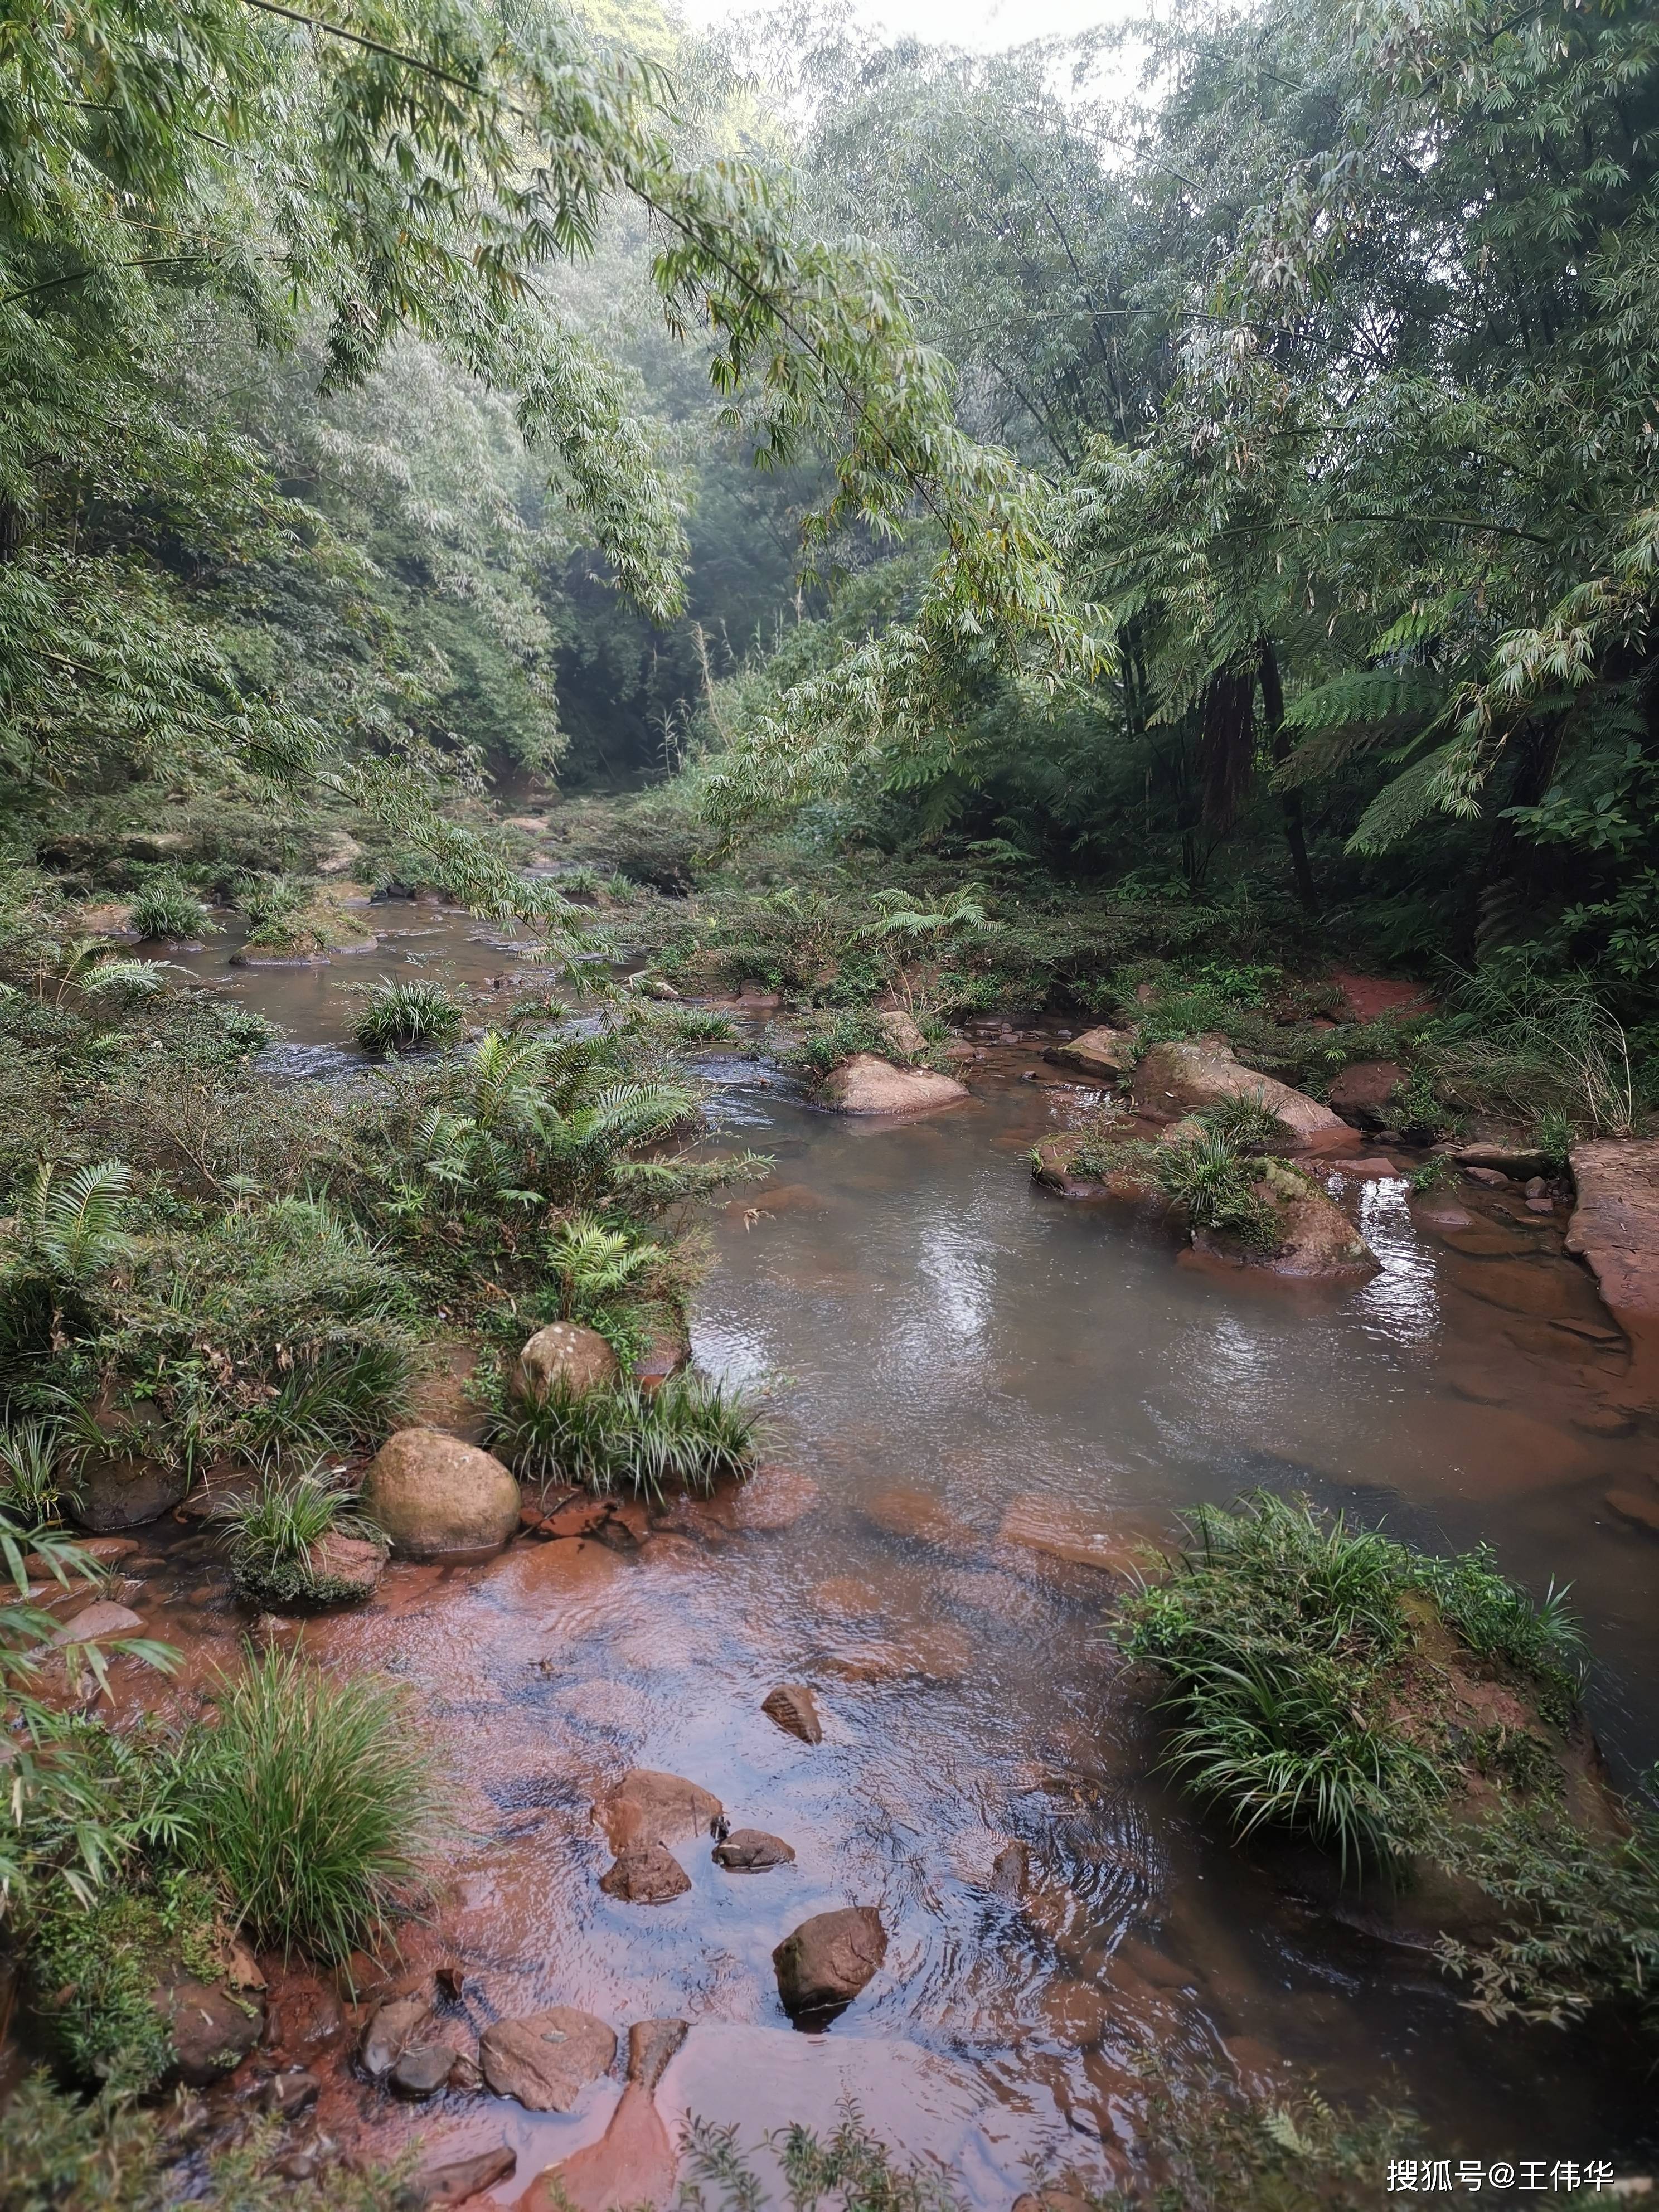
x=548, y=2059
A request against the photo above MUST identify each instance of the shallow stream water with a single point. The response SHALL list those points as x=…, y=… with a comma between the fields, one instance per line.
x=944, y=1341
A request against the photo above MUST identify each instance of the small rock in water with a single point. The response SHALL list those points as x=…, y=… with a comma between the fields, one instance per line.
x=94, y=1622
x=289, y=2094
x=824, y=1963
x=394, y=2026
x=647, y=1874
x=774, y=1497
x=752, y=1851
x=547, y=2060
x=1010, y=1870
x=792, y=1706
x=450, y=1978
x=651, y=2045
x=648, y=1807
x=422, y=2073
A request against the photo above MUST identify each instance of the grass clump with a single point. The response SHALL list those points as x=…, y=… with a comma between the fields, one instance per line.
x=35, y=1474
x=684, y=1435
x=408, y=1016
x=1328, y=1679
x=309, y=1798
x=1218, y=1184
x=274, y=1530
x=833, y=1038
x=167, y=908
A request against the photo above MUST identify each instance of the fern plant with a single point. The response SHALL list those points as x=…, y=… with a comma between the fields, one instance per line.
x=72, y=1221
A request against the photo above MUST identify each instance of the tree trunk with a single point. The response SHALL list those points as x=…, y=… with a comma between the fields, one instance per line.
x=11, y=530
x=1279, y=746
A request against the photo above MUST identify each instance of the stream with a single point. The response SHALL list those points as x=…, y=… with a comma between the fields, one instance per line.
x=952, y=1352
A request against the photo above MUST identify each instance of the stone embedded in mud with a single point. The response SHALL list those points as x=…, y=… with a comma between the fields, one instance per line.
x=436, y=1497
x=460, y=2179
x=1173, y=1080
x=440, y=1398
x=1492, y=1176
x=94, y=1622
x=547, y=2060
x=647, y=1807
x=774, y=1498
x=124, y=1492
x=1054, y=1164
x=794, y=1709
x=393, y=2027
x=565, y=1352
x=1102, y=1052
x=1360, y=1093
x=212, y=2029
x=752, y=1851
x=825, y=1962
x=647, y=1873
x=651, y=2045
x=867, y=1084
x=289, y=2094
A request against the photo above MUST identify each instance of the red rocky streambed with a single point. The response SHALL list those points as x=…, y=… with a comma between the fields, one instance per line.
x=990, y=1395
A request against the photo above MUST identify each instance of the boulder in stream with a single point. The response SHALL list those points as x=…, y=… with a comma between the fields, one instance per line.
x=123, y=1491
x=825, y=1962
x=752, y=1851
x=865, y=1084
x=212, y=2027
x=437, y=1497
x=1173, y=1080
x=547, y=2060
x=794, y=1709
x=647, y=1807
x=1361, y=1092
x=1614, y=1229
x=567, y=1353
x=1108, y=1055
x=645, y=1873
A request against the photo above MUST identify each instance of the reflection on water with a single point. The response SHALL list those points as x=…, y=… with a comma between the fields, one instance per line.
x=954, y=1339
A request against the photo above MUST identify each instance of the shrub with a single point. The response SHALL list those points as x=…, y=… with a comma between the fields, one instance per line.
x=685, y=1434
x=1246, y=1122
x=273, y=1529
x=1217, y=1184
x=407, y=1016
x=835, y=1038
x=166, y=908
x=311, y=1798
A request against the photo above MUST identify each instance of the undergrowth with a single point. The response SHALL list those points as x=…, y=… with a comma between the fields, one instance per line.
x=684, y=1435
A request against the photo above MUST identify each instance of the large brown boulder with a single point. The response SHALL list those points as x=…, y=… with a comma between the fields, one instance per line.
x=566, y=1352
x=1316, y=1240
x=437, y=1497
x=1363, y=1091
x=1614, y=1229
x=1108, y=1054
x=827, y=1960
x=126, y=1490
x=1173, y=1080
x=547, y=2060
x=647, y=1807
x=867, y=1084
x=212, y=2027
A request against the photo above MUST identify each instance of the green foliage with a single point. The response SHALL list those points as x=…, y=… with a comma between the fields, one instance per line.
x=1246, y=1122
x=271, y=1530
x=1584, y=1924
x=166, y=908
x=310, y=1798
x=403, y=1016
x=684, y=1435
x=827, y=1040
x=1525, y=1040
x=60, y=2154
x=74, y=1808
x=34, y=1476
x=95, y=1967
x=1217, y=1184
x=1496, y=1619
